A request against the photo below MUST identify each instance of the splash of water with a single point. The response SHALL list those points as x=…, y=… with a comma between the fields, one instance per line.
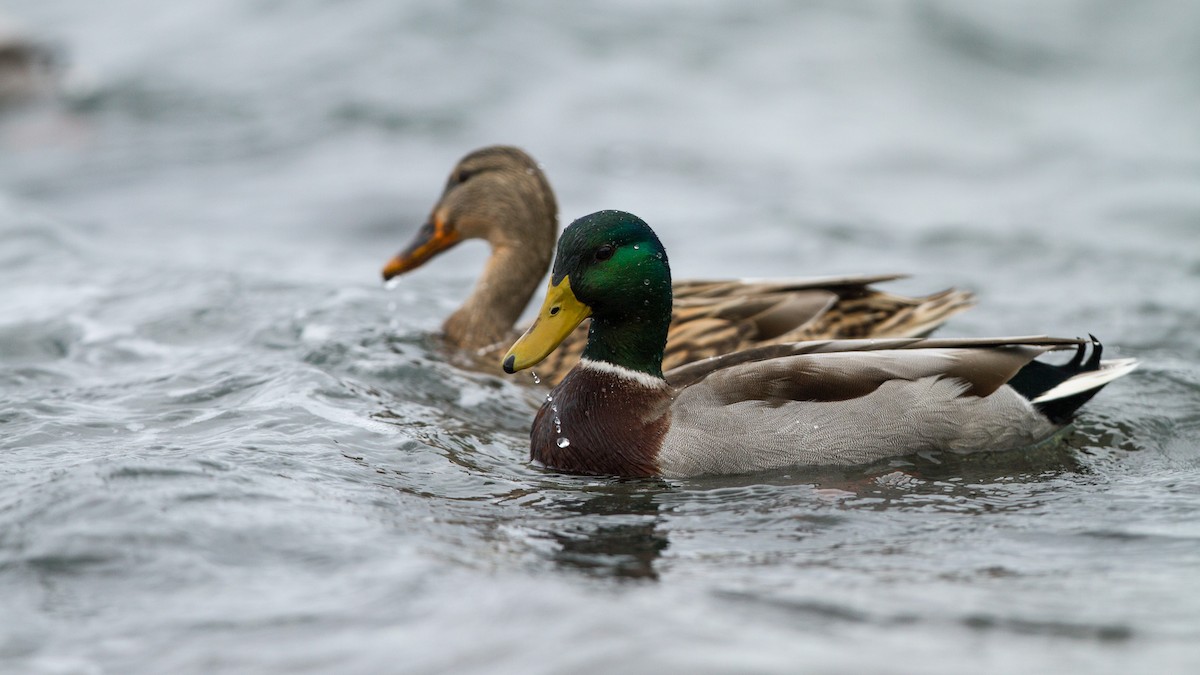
x=562, y=441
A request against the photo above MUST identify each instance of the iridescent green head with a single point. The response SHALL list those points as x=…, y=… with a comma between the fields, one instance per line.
x=612, y=267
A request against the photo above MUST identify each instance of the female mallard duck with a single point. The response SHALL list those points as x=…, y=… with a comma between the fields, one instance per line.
x=500, y=195
x=815, y=403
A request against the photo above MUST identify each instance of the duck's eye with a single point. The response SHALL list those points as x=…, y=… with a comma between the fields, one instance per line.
x=605, y=252
x=463, y=175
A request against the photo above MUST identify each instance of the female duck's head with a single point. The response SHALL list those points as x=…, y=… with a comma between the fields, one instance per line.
x=498, y=194
x=610, y=266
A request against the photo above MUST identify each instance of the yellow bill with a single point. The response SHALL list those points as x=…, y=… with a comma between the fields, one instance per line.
x=561, y=312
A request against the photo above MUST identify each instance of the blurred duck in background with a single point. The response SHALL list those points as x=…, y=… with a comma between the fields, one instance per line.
x=29, y=69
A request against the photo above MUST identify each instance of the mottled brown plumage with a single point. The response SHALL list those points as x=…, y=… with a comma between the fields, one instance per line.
x=499, y=194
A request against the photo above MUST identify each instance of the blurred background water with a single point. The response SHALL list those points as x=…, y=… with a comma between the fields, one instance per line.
x=226, y=447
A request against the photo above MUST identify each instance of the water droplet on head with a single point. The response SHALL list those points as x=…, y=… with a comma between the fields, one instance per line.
x=636, y=247
x=645, y=282
x=563, y=441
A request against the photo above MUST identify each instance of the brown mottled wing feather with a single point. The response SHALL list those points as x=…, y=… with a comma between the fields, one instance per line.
x=857, y=310
x=703, y=327
x=711, y=318
x=740, y=317
x=723, y=287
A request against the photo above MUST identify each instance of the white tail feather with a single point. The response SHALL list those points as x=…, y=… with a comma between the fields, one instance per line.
x=1092, y=379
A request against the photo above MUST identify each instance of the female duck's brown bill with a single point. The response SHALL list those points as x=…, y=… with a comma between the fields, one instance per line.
x=434, y=237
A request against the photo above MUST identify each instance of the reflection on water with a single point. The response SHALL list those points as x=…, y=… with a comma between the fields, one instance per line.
x=620, y=529
x=617, y=535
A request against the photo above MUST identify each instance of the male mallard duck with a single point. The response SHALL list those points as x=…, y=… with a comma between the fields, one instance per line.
x=500, y=195
x=815, y=403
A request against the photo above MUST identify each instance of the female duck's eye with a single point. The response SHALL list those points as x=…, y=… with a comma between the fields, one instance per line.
x=604, y=252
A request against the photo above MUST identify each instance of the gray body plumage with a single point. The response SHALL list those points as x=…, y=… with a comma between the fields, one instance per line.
x=855, y=402
x=901, y=416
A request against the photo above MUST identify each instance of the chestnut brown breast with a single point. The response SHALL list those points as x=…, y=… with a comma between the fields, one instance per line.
x=598, y=422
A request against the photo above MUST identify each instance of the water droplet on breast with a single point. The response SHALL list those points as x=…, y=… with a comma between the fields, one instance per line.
x=563, y=441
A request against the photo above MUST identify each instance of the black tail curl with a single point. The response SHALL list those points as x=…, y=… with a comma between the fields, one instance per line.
x=1038, y=377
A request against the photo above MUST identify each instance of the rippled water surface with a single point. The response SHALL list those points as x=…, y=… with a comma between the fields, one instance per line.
x=227, y=448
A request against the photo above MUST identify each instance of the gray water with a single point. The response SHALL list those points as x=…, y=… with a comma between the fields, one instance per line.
x=227, y=448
